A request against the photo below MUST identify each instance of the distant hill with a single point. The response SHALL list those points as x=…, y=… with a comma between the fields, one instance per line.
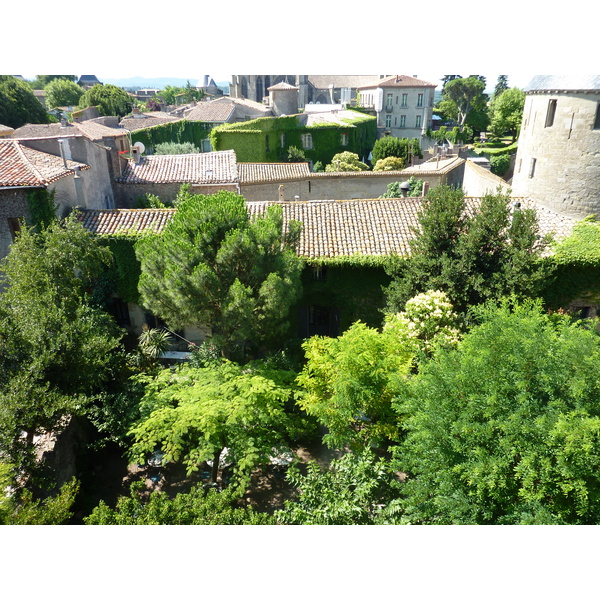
x=157, y=82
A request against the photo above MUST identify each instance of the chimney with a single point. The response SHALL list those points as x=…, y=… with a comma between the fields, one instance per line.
x=136, y=154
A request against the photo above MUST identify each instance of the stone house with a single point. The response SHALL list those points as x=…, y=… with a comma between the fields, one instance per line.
x=344, y=244
x=403, y=105
x=141, y=120
x=163, y=175
x=99, y=143
x=23, y=169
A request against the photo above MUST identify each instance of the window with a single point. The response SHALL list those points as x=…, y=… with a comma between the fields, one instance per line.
x=266, y=143
x=532, y=168
x=418, y=122
x=206, y=147
x=282, y=140
x=597, y=121
x=14, y=226
x=307, y=141
x=388, y=120
x=389, y=100
x=420, y=100
x=402, y=120
x=319, y=272
x=404, y=100
x=344, y=139
x=551, y=112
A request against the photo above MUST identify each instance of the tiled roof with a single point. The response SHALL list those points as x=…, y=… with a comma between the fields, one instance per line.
x=322, y=82
x=90, y=129
x=563, y=82
x=147, y=120
x=282, y=85
x=110, y=222
x=210, y=112
x=331, y=228
x=21, y=166
x=42, y=131
x=206, y=168
x=399, y=81
x=5, y=128
x=269, y=172
x=97, y=131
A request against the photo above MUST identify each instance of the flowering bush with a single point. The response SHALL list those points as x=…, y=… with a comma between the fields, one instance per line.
x=430, y=318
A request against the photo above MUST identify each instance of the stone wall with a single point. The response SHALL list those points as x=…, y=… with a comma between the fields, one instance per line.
x=349, y=186
x=558, y=164
x=13, y=205
x=127, y=194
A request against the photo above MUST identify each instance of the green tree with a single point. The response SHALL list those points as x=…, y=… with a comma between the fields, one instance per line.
x=507, y=112
x=391, y=163
x=41, y=81
x=354, y=490
x=62, y=92
x=346, y=161
x=494, y=252
x=461, y=96
x=394, y=190
x=20, y=508
x=501, y=86
x=193, y=414
x=180, y=95
x=18, y=105
x=196, y=507
x=215, y=266
x=392, y=146
x=57, y=347
x=350, y=381
x=505, y=429
x=110, y=100
x=176, y=148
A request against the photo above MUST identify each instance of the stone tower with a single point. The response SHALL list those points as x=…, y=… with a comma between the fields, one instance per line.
x=283, y=99
x=558, y=160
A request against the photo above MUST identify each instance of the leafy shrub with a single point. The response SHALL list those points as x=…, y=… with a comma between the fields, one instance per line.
x=175, y=148
x=391, y=163
x=500, y=164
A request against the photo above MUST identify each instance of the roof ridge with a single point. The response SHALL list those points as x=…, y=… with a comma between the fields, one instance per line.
x=36, y=172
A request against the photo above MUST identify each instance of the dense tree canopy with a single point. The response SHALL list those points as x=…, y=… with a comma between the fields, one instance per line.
x=56, y=346
x=18, y=105
x=110, y=100
x=506, y=428
x=494, y=252
x=215, y=266
x=346, y=161
x=193, y=414
x=392, y=146
x=461, y=96
x=62, y=92
x=507, y=112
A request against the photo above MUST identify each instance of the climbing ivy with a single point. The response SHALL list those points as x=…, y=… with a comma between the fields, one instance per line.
x=260, y=140
x=42, y=208
x=178, y=132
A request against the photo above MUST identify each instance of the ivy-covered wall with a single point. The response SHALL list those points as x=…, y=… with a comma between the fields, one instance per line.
x=176, y=131
x=125, y=271
x=269, y=139
x=577, y=262
x=355, y=290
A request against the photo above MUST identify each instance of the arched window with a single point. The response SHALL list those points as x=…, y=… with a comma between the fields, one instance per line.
x=259, y=89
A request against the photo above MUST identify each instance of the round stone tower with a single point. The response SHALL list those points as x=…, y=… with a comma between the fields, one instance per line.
x=558, y=159
x=283, y=99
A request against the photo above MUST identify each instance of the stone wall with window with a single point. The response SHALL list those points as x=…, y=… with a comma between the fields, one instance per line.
x=558, y=161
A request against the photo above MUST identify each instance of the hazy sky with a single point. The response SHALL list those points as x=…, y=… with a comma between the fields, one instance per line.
x=120, y=40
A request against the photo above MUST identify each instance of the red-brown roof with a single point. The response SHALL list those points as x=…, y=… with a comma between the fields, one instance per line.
x=21, y=166
x=330, y=228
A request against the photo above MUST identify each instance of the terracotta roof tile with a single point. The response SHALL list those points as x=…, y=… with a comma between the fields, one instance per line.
x=331, y=228
x=206, y=167
x=22, y=166
x=399, y=81
x=210, y=112
x=110, y=222
x=150, y=119
x=269, y=172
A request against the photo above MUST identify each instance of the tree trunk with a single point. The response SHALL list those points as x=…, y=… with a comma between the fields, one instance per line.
x=215, y=467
